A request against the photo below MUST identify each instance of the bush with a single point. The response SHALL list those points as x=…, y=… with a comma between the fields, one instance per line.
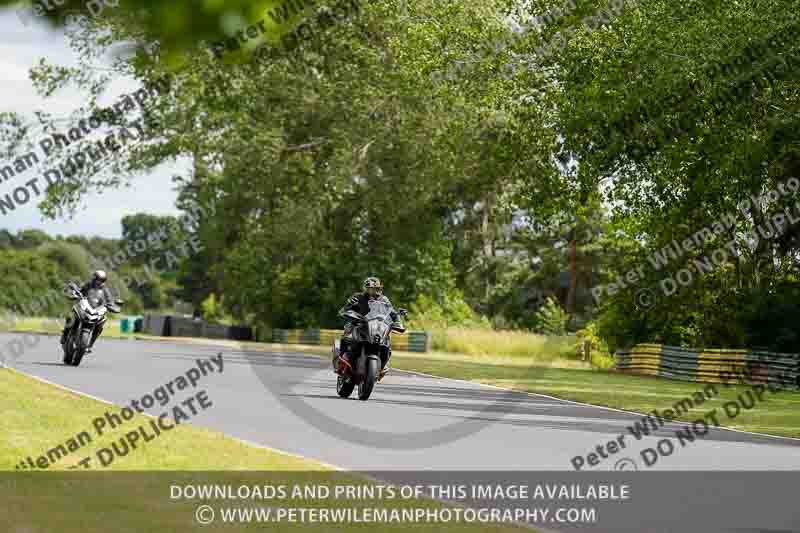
x=551, y=319
x=713, y=315
x=427, y=314
x=770, y=319
x=590, y=333
x=599, y=354
x=602, y=361
x=620, y=324
x=28, y=278
x=212, y=309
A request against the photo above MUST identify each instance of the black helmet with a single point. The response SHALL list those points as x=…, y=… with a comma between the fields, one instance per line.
x=373, y=286
x=99, y=278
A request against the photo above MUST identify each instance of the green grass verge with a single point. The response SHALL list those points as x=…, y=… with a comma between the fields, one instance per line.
x=35, y=417
x=777, y=414
x=55, y=325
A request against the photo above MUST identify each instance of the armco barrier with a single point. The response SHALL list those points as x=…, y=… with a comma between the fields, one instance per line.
x=711, y=366
x=186, y=327
x=214, y=331
x=157, y=325
x=241, y=333
x=414, y=341
x=170, y=326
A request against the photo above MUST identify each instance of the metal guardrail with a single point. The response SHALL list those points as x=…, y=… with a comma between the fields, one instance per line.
x=711, y=365
x=170, y=326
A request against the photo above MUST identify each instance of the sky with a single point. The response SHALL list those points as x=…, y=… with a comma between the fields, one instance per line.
x=21, y=47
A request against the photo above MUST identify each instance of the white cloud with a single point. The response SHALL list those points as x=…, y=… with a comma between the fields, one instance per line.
x=21, y=47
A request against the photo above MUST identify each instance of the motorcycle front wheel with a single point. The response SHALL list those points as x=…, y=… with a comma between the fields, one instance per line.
x=368, y=383
x=68, y=348
x=83, y=345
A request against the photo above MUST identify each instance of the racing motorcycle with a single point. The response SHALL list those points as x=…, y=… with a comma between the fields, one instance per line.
x=89, y=314
x=370, y=344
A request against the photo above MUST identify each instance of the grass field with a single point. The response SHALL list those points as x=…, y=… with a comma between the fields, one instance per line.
x=54, y=325
x=510, y=343
x=134, y=493
x=35, y=417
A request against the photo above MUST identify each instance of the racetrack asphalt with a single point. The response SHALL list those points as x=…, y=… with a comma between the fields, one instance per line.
x=288, y=401
x=418, y=427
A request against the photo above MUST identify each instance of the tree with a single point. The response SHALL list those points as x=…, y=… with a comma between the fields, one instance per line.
x=30, y=238
x=551, y=318
x=177, y=26
x=688, y=111
x=299, y=161
x=345, y=157
x=146, y=237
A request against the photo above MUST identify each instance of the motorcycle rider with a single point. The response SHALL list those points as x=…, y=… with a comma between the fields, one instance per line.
x=359, y=302
x=93, y=289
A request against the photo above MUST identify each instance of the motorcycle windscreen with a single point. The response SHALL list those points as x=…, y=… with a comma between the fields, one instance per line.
x=378, y=331
x=379, y=322
x=378, y=310
x=96, y=298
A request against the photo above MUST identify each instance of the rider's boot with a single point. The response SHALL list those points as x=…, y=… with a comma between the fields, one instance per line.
x=385, y=369
x=97, y=332
x=65, y=331
x=344, y=359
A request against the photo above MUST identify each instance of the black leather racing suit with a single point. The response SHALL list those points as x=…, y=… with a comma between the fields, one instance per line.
x=359, y=303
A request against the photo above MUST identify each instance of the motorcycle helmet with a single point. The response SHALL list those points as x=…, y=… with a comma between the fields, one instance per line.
x=99, y=278
x=373, y=287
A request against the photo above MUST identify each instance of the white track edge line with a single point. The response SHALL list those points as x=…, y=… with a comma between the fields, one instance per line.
x=583, y=404
x=598, y=406
x=264, y=447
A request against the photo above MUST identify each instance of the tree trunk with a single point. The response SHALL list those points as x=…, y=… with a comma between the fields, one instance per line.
x=573, y=273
